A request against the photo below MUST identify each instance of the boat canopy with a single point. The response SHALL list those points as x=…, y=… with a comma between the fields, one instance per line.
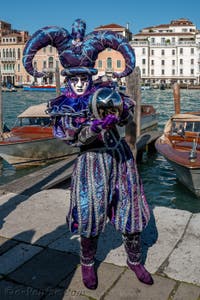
x=35, y=111
x=185, y=117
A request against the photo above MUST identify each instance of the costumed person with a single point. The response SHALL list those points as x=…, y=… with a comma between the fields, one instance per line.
x=105, y=183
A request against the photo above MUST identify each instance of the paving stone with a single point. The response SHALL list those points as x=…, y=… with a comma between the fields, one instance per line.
x=128, y=287
x=17, y=256
x=170, y=225
x=12, y=291
x=41, y=218
x=110, y=247
x=187, y=292
x=10, y=199
x=46, y=270
x=6, y=244
x=184, y=261
x=107, y=275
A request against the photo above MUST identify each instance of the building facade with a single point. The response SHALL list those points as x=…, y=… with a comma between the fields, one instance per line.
x=12, y=43
x=169, y=53
x=165, y=54
x=109, y=60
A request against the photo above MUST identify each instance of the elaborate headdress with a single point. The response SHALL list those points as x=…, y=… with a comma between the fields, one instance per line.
x=77, y=52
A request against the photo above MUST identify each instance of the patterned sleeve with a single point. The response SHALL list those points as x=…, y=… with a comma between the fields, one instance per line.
x=128, y=111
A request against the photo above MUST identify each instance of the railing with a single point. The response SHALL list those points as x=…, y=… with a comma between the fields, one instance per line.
x=8, y=59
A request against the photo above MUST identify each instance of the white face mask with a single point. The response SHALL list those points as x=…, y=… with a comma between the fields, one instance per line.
x=79, y=84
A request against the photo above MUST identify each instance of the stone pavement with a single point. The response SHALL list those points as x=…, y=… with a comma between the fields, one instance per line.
x=39, y=257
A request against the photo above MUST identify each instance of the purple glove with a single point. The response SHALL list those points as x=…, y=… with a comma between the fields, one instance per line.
x=109, y=121
x=105, y=123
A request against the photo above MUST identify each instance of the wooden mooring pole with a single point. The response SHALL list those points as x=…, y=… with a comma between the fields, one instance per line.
x=176, y=92
x=133, y=90
x=57, y=77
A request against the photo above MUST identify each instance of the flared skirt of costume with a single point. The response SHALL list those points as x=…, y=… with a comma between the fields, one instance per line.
x=106, y=184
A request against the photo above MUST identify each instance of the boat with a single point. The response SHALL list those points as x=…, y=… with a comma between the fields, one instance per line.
x=146, y=87
x=8, y=90
x=30, y=142
x=41, y=88
x=180, y=145
x=149, y=118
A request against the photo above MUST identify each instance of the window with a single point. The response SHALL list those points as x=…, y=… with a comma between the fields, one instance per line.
x=162, y=40
x=162, y=62
x=143, y=71
x=181, y=61
x=192, y=61
x=152, y=52
x=192, y=50
x=181, y=51
x=153, y=40
x=50, y=62
x=181, y=71
x=109, y=62
x=50, y=49
x=143, y=51
x=173, y=62
x=35, y=64
x=162, y=52
x=44, y=64
x=143, y=61
x=18, y=54
x=192, y=71
x=100, y=64
x=173, y=52
x=152, y=71
x=118, y=64
x=173, y=72
x=152, y=62
x=57, y=64
x=163, y=72
x=18, y=67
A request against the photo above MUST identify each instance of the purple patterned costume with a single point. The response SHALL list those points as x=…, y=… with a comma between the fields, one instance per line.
x=105, y=181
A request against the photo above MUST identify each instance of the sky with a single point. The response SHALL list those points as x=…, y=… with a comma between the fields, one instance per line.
x=32, y=15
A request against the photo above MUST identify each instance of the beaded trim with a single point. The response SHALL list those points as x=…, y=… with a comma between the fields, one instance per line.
x=134, y=263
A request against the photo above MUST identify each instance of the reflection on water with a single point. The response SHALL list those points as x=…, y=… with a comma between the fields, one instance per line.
x=160, y=183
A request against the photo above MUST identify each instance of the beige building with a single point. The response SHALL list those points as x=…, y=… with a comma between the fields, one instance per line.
x=109, y=60
x=12, y=43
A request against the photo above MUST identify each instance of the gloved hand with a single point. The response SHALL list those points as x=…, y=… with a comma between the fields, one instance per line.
x=105, y=123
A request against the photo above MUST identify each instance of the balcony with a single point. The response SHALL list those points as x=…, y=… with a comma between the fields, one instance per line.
x=8, y=59
x=7, y=72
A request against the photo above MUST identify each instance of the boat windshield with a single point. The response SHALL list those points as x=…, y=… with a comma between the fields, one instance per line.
x=191, y=126
x=34, y=121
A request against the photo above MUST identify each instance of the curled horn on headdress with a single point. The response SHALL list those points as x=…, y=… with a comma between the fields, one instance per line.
x=77, y=50
x=54, y=36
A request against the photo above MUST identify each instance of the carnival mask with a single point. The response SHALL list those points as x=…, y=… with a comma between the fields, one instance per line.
x=79, y=84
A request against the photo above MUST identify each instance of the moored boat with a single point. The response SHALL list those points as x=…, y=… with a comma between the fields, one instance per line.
x=41, y=88
x=180, y=145
x=31, y=142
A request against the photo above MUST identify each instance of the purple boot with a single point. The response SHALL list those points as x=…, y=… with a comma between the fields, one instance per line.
x=132, y=244
x=88, y=251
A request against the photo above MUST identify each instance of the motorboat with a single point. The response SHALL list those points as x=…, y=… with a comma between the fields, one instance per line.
x=180, y=145
x=31, y=142
x=41, y=88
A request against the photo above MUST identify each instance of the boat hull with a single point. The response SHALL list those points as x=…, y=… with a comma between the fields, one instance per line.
x=188, y=177
x=41, y=89
x=33, y=153
x=188, y=173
